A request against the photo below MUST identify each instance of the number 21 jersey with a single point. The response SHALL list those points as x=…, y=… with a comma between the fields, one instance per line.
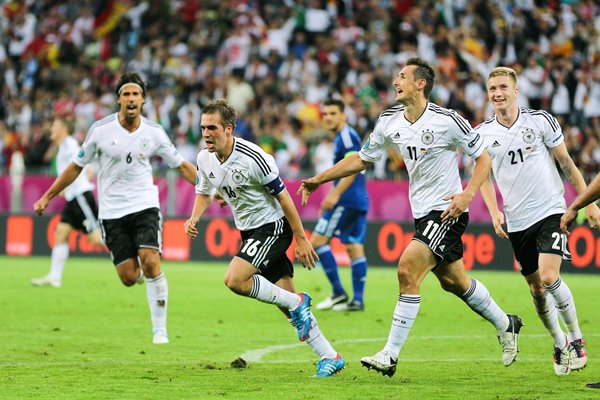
x=524, y=167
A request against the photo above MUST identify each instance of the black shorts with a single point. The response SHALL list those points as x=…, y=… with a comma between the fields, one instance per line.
x=81, y=213
x=443, y=238
x=544, y=236
x=124, y=236
x=265, y=248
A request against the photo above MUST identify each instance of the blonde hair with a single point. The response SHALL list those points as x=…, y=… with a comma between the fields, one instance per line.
x=504, y=71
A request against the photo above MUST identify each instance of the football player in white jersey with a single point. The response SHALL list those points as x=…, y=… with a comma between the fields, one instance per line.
x=130, y=219
x=80, y=212
x=428, y=136
x=248, y=180
x=524, y=145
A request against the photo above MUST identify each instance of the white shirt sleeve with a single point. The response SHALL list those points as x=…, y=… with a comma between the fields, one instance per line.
x=265, y=175
x=552, y=133
x=167, y=150
x=375, y=145
x=469, y=140
x=88, y=149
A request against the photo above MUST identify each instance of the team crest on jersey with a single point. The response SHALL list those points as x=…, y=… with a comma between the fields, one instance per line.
x=528, y=135
x=144, y=144
x=238, y=177
x=81, y=153
x=427, y=137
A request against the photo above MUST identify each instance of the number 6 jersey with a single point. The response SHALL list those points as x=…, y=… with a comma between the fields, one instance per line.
x=125, y=182
x=524, y=167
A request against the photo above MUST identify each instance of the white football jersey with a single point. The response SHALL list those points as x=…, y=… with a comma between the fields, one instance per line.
x=125, y=183
x=429, y=149
x=67, y=151
x=524, y=167
x=241, y=181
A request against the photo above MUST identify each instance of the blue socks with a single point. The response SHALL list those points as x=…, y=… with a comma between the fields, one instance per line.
x=359, y=277
x=330, y=267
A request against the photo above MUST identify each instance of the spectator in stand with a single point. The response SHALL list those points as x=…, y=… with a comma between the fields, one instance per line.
x=182, y=51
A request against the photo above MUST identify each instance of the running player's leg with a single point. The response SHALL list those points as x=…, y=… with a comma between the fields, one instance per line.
x=330, y=361
x=354, y=229
x=60, y=254
x=320, y=239
x=416, y=261
x=553, y=247
x=146, y=230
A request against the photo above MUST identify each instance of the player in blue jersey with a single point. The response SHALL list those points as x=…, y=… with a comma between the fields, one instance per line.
x=343, y=215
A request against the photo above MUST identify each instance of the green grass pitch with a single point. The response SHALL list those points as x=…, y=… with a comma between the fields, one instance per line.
x=91, y=339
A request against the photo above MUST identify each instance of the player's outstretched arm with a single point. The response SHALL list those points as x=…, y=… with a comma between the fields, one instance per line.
x=587, y=197
x=489, y=197
x=304, y=251
x=346, y=167
x=574, y=176
x=460, y=201
x=62, y=181
x=333, y=196
x=201, y=203
x=187, y=170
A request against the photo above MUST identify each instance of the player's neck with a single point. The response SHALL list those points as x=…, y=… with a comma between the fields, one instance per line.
x=508, y=116
x=60, y=140
x=414, y=110
x=130, y=124
x=222, y=156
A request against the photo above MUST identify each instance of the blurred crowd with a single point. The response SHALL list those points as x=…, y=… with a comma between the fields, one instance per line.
x=277, y=60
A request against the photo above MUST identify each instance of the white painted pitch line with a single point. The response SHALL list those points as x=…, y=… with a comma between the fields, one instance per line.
x=257, y=354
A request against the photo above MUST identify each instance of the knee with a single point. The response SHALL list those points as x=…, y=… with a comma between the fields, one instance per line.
x=536, y=288
x=548, y=277
x=449, y=284
x=355, y=252
x=233, y=284
x=127, y=282
x=150, y=265
x=318, y=240
x=127, y=278
x=405, y=279
x=61, y=235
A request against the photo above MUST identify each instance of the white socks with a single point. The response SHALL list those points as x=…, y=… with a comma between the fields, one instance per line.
x=317, y=341
x=480, y=301
x=265, y=291
x=544, y=306
x=157, y=293
x=405, y=313
x=60, y=254
x=565, y=306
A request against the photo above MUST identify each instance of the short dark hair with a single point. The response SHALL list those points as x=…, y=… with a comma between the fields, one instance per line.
x=335, y=102
x=225, y=110
x=423, y=71
x=131, y=77
x=67, y=123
